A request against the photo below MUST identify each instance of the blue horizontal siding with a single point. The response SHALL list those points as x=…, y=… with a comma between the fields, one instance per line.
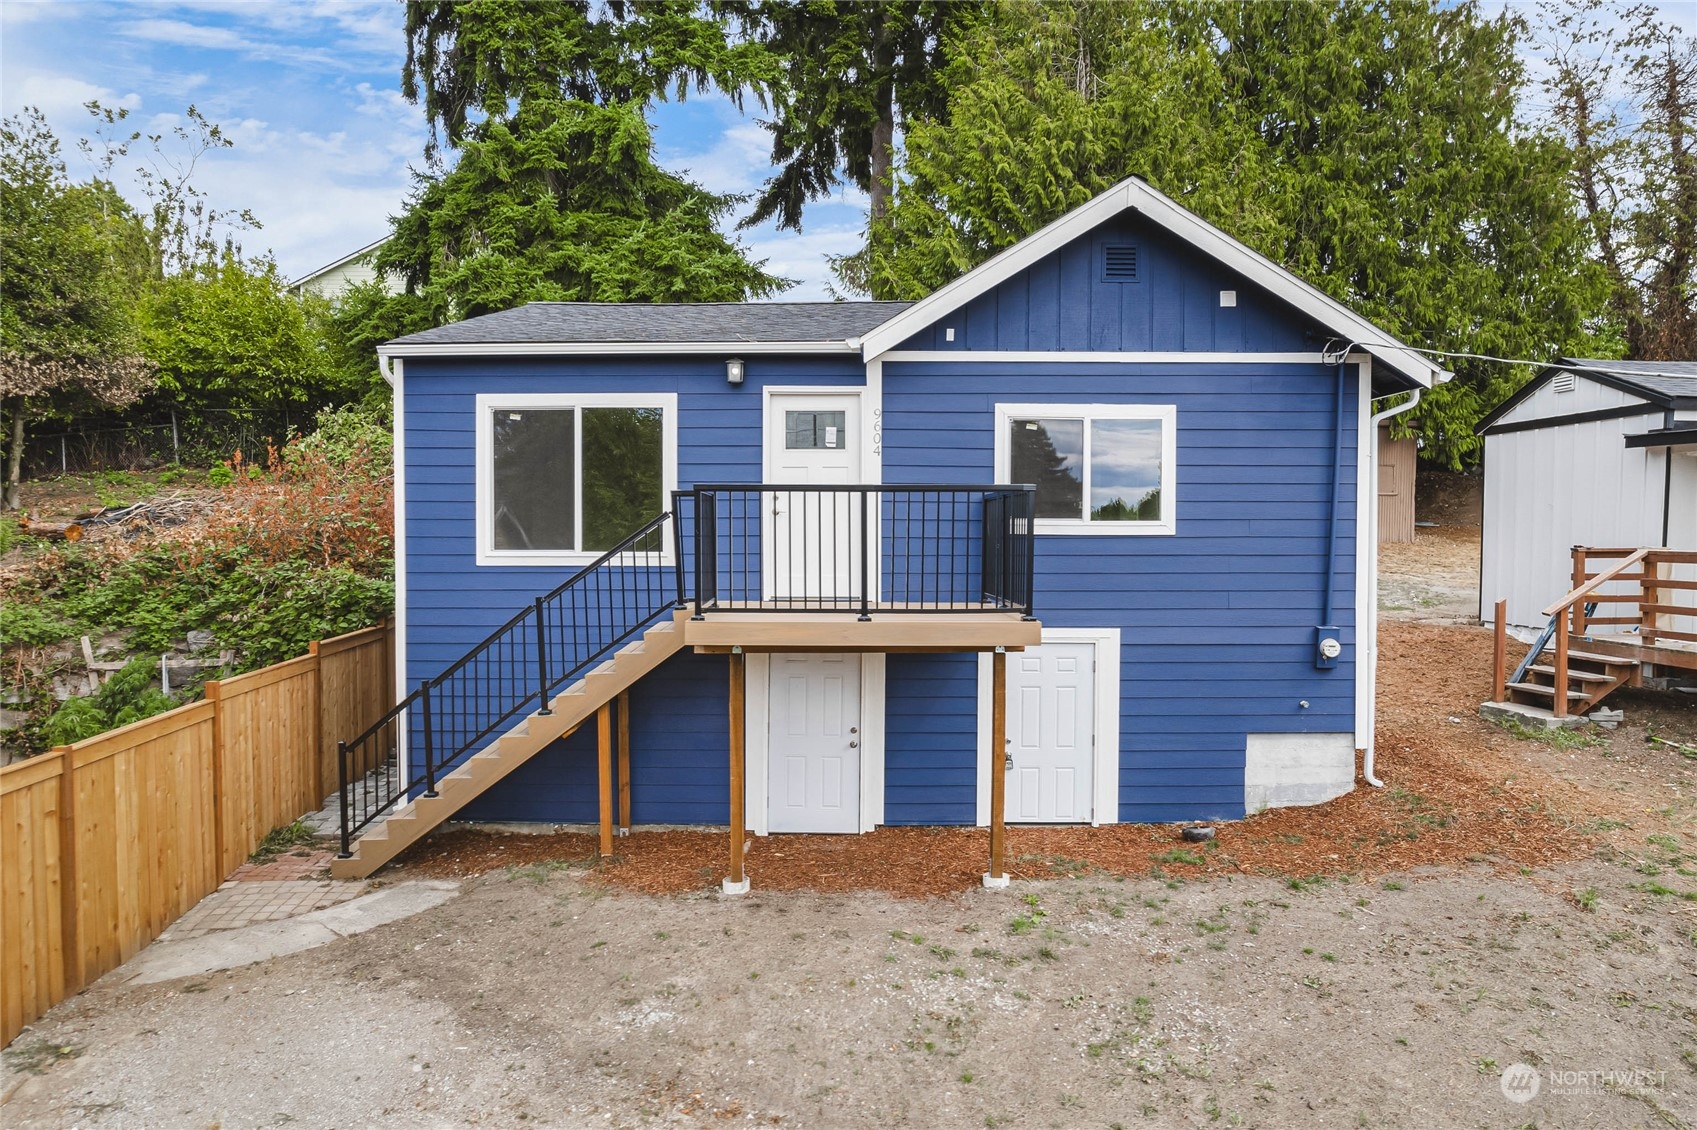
x=1216, y=622
x=931, y=739
x=1062, y=303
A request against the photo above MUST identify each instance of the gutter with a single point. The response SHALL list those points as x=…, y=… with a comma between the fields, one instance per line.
x=1368, y=755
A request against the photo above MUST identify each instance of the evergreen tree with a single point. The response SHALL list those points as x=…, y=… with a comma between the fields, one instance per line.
x=1371, y=148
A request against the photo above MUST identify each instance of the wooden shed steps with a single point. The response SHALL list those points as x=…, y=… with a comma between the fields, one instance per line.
x=573, y=706
x=1591, y=677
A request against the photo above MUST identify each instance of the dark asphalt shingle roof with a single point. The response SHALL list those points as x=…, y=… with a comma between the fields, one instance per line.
x=1660, y=381
x=728, y=322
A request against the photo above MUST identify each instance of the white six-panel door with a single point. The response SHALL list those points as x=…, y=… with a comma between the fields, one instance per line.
x=1051, y=724
x=813, y=763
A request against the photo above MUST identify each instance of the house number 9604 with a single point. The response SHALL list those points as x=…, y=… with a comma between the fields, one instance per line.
x=877, y=431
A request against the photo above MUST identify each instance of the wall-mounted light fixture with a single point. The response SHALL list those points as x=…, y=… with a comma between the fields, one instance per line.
x=733, y=370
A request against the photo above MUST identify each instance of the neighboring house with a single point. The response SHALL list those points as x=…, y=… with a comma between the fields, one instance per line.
x=1119, y=469
x=1588, y=453
x=354, y=269
x=1398, y=462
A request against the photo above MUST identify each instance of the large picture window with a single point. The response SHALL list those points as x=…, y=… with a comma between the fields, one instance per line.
x=1098, y=468
x=562, y=479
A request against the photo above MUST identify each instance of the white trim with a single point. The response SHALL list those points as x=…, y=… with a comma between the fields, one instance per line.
x=767, y=392
x=343, y=261
x=1074, y=527
x=1074, y=357
x=1105, y=769
x=1133, y=195
x=488, y=403
x=872, y=425
x=610, y=348
x=1366, y=547
x=757, y=738
x=400, y=517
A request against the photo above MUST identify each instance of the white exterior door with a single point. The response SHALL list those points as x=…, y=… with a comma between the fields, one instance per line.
x=813, y=775
x=1051, y=732
x=812, y=547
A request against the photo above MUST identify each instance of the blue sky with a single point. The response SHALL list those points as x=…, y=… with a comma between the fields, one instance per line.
x=310, y=92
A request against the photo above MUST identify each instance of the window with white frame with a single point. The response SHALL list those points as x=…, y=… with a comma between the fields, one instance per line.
x=1098, y=468
x=563, y=478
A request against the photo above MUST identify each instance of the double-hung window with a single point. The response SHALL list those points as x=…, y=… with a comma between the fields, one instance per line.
x=562, y=478
x=1098, y=468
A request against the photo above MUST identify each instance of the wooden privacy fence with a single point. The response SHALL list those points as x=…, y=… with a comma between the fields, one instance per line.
x=105, y=843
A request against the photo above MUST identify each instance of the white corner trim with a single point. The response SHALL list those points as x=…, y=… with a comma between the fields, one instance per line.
x=872, y=425
x=757, y=739
x=1104, y=357
x=1081, y=527
x=488, y=403
x=1105, y=769
x=1134, y=195
x=400, y=518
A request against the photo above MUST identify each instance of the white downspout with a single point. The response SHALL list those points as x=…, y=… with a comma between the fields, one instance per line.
x=1372, y=593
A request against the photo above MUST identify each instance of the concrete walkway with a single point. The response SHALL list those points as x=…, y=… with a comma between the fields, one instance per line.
x=166, y=960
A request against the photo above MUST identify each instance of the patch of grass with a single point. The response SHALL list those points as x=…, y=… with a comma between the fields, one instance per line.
x=279, y=840
x=540, y=871
x=1179, y=855
x=1586, y=899
x=1560, y=738
x=1657, y=889
x=36, y=1056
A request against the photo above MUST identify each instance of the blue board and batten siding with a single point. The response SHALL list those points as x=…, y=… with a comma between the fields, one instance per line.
x=1216, y=621
x=679, y=716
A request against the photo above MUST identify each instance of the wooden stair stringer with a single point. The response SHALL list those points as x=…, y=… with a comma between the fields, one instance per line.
x=1587, y=685
x=572, y=707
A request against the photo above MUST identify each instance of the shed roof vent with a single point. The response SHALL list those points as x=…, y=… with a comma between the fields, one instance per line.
x=1564, y=382
x=1119, y=263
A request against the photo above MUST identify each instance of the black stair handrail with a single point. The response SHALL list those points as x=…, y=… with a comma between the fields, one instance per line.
x=583, y=619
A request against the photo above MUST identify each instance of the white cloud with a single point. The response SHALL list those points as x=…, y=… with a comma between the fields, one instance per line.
x=62, y=97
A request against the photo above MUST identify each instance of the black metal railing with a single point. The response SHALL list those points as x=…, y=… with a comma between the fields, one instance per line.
x=517, y=668
x=858, y=549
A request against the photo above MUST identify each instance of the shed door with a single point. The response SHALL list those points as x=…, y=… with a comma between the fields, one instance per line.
x=1051, y=733
x=813, y=780
x=812, y=548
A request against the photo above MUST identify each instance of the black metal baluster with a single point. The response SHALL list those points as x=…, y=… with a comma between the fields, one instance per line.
x=429, y=758
x=542, y=659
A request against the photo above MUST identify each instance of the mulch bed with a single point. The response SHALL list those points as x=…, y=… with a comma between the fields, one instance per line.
x=1455, y=793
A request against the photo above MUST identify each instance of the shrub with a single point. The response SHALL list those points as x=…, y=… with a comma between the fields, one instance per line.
x=128, y=696
x=32, y=625
x=220, y=476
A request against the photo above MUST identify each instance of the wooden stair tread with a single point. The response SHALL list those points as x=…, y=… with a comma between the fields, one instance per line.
x=1544, y=691
x=1593, y=657
x=1582, y=676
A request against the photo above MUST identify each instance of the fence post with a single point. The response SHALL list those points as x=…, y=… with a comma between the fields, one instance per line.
x=429, y=749
x=317, y=722
x=70, y=959
x=214, y=693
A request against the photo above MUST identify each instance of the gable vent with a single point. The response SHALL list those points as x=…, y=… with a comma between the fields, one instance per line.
x=1119, y=263
x=1564, y=382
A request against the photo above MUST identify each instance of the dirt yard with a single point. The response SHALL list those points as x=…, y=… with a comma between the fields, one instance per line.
x=1375, y=962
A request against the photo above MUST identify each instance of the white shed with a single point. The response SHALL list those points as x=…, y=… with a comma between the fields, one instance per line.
x=1593, y=453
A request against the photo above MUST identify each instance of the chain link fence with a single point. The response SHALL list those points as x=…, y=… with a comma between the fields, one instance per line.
x=201, y=439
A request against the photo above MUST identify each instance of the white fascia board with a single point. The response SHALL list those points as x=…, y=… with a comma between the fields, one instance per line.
x=614, y=348
x=342, y=262
x=1134, y=195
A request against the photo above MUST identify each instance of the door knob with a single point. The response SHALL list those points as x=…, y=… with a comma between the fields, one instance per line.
x=854, y=729
x=854, y=745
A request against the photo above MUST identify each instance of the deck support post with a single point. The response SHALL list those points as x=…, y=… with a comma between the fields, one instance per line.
x=997, y=875
x=604, y=744
x=1558, y=700
x=1499, y=655
x=624, y=763
x=737, y=882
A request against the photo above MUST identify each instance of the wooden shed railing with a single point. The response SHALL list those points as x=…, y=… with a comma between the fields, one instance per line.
x=105, y=843
x=1640, y=580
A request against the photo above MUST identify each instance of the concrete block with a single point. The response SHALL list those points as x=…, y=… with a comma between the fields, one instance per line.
x=1533, y=717
x=1281, y=770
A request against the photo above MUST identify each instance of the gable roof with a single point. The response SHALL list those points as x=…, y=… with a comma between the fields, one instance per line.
x=1133, y=194
x=351, y=257
x=659, y=327
x=1666, y=384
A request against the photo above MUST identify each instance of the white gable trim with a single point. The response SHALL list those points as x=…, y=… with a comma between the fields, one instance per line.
x=351, y=257
x=1136, y=196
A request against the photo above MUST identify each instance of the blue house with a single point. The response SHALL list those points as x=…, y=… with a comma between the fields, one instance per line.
x=1072, y=540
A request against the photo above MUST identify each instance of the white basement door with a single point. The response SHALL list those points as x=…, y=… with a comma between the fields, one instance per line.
x=1051, y=731
x=813, y=783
